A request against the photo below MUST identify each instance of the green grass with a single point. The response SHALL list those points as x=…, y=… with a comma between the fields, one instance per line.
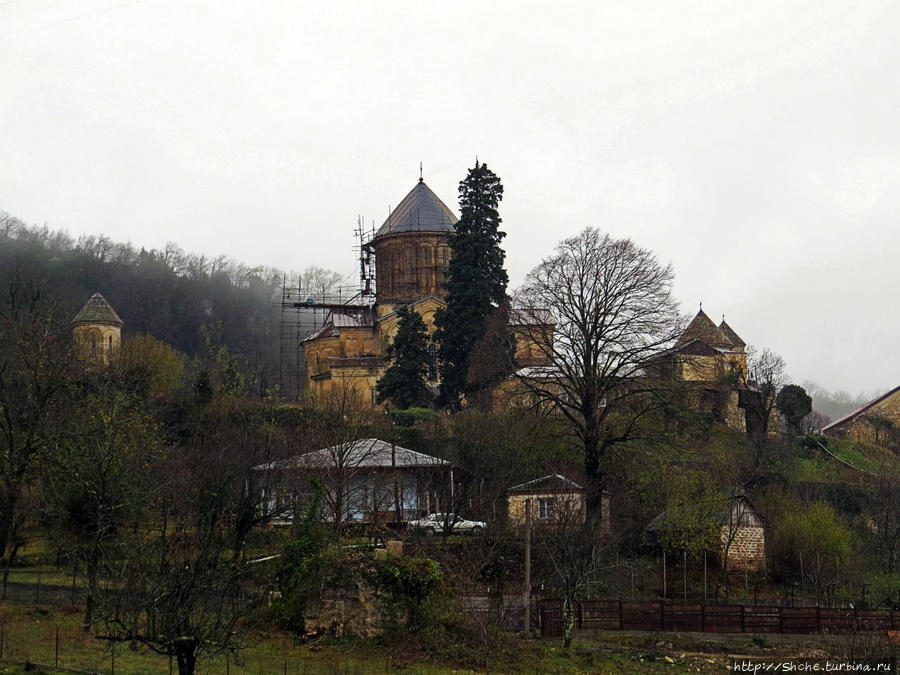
x=29, y=634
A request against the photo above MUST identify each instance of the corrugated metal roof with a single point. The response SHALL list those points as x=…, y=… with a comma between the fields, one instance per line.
x=554, y=481
x=353, y=319
x=97, y=310
x=850, y=415
x=420, y=211
x=370, y=453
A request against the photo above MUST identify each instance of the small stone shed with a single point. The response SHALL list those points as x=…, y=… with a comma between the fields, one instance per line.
x=742, y=534
x=743, y=537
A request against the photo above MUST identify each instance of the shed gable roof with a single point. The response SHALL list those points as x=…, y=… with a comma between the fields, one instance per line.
x=553, y=482
x=859, y=411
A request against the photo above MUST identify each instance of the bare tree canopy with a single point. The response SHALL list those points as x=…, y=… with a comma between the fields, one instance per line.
x=765, y=377
x=612, y=306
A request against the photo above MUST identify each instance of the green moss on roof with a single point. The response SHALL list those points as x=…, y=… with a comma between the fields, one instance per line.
x=97, y=310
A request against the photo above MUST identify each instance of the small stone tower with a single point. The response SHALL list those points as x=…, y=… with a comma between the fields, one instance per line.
x=97, y=329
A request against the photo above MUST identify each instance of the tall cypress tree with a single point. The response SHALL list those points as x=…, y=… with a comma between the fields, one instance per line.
x=476, y=279
x=404, y=382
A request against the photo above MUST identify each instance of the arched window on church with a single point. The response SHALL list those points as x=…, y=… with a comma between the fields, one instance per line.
x=409, y=265
x=93, y=344
x=427, y=254
x=432, y=362
x=110, y=344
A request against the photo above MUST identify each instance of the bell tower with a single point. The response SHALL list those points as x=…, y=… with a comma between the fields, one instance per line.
x=97, y=330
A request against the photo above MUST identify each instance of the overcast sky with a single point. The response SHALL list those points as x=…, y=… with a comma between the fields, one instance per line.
x=755, y=145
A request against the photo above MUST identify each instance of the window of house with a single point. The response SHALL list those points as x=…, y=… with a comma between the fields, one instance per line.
x=546, y=507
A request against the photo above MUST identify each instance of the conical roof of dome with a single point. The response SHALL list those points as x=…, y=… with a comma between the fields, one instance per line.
x=97, y=310
x=731, y=335
x=703, y=329
x=420, y=211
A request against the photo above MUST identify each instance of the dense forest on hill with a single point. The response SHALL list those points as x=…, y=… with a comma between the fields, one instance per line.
x=192, y=302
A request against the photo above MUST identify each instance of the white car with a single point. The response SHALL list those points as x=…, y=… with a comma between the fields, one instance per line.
x=434, y=524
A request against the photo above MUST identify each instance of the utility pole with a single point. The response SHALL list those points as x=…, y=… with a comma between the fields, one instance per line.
x=527, y=626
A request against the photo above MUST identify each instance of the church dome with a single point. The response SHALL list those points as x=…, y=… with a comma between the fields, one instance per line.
x=420, y=211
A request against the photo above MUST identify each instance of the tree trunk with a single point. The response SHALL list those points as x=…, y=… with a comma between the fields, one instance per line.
x=568, y=622
x=187, y=657
x=595, y=477
x=7, y=563
x=91, y=572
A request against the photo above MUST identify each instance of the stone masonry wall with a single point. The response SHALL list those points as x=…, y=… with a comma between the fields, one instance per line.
x=747, y=550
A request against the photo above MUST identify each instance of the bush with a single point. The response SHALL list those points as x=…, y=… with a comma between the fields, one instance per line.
x=307, y=558
x=407, y=418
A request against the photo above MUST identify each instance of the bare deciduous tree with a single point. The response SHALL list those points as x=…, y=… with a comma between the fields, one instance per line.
x=573, y=546
x=886, y=518
x=765, y=378
x=317, y=281
x=814, y=422
x=612, y=305
x=35, y=366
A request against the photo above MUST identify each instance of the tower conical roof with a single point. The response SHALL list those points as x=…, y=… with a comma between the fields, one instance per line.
x=731, y=335
x=97, y=310
x=703, y=329
x=420, y=211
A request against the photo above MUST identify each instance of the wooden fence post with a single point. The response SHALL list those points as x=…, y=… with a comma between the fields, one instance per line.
x=662, y=615
x=703, y=617
x=818, y=619
x=56, y=663
x=743, y=621
x=621, y=623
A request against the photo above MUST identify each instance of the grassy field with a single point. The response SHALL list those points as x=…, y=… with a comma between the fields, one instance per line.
x=30, y=634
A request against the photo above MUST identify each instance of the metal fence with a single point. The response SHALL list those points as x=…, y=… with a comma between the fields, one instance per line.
x=664, y=616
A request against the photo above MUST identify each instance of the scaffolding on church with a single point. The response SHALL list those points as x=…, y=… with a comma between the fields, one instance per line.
x=305, y=310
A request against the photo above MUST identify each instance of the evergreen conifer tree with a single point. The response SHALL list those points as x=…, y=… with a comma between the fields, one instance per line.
x=404, y=382
x=476, y=279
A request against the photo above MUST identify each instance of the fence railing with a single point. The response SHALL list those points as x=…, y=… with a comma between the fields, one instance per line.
x=665, y=616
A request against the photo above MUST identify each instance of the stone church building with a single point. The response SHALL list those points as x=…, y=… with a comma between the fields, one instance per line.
x=712, y=361
x=411, y=256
